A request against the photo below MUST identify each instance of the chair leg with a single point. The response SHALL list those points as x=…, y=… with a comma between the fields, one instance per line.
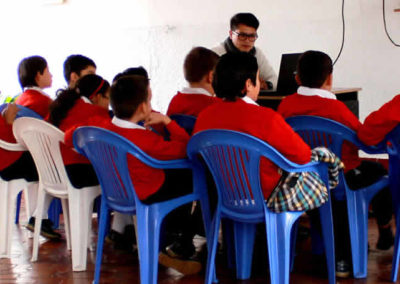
x=328, y=237
x=38, y=223
x=30, y=197
x=148, y=244
x=81, y=208
x=396, y=250
x=278, y=227
x=212, y=240
x=18, y=205
x=244, y=243
x=103, y=224
x=228, y=239
x=67, y=222
x=357, y=209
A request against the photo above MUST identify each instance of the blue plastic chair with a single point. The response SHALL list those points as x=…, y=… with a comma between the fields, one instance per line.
x=318, y=131
x=185, y=121
x=233, y=159
x=108, y=153
x=393, y=148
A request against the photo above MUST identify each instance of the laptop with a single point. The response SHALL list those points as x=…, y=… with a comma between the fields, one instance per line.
x=286, y=82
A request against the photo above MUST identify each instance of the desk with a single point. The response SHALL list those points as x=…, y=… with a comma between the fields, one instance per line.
x=347, y=95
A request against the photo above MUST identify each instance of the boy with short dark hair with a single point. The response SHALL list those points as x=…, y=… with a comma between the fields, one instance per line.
x=76, y=66
x=314, y=97
x=198, y=69
x=130, y=99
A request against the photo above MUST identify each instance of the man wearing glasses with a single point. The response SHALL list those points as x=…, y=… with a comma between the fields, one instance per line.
x=242, y=36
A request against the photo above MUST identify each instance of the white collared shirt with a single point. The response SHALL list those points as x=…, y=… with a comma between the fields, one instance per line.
x=199, y=91
x=86, y=100
x=306, y=91
x=36, y=89
x=125, y=123
x=249, y=100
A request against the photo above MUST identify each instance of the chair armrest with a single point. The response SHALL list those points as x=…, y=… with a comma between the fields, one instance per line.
x=171, y=164
x=11, y=146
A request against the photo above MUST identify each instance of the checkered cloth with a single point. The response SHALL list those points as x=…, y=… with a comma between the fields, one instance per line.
x=305, y=190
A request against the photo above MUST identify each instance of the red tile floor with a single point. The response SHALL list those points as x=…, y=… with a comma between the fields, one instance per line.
x=54, y=265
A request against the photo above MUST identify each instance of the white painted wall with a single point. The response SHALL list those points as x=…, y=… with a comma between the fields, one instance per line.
x=158, y=33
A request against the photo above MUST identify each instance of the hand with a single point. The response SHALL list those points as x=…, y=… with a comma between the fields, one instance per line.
x=156, y=118
x=10, y=113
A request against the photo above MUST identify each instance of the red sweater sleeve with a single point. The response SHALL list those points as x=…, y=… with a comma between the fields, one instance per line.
x=380, y=122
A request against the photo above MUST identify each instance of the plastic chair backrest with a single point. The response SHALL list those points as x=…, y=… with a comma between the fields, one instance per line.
x=43, y=142
x=185, y=121
x=23, y=111
x=234, y=161
x=108, y=153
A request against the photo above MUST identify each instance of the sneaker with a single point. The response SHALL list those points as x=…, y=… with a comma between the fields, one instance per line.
x=46, y=229
x=386, y=239
x=184, y=266
x=342, y=268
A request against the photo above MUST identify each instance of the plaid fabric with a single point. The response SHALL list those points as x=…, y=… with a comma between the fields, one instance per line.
x=305, y=190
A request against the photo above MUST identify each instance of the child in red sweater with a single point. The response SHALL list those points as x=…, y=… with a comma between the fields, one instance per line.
x=34, y=76
x=198, y=69
x=130, y=99
x=236, y=82
x=314, y=97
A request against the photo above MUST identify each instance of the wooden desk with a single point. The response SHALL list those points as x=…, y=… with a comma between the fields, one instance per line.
x=347, y=95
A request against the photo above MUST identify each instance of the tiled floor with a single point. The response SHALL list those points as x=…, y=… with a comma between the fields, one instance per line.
x=54, y=265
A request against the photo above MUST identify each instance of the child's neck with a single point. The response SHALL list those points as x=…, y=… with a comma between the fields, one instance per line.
x=202, y=85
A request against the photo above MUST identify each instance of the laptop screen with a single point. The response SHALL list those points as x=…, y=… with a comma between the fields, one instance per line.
x=287, y=71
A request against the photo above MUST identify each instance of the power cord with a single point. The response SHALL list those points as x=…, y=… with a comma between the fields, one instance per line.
x=384, y=24
x=343, y=33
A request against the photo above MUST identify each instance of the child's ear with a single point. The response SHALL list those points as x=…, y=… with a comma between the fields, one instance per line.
x=210, y=76
x=297, y=78
x=73, y=77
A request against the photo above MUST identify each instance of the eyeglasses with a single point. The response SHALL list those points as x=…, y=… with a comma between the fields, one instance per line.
x=244, y=36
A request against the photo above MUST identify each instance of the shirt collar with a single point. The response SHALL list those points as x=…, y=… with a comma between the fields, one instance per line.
x=248, y=100
x=86, y=100
x=306, y=91
x=125, y=123
x=37, y=89
x=200, y=91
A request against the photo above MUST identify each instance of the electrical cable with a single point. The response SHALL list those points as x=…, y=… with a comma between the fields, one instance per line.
x=384, y=24
x=343, y=33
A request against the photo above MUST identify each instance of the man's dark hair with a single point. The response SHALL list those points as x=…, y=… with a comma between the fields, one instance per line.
x=198, y=63
x=313, y=68
x=76, y=63
x=247, y=19
x=28, y=69
x=127, y=93
x=232, y=72
x=140, y=71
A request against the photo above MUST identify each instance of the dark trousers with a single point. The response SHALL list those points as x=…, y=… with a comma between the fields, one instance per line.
x=81, y=175
x=24, y=167
x=366, y=174
x=179, y=225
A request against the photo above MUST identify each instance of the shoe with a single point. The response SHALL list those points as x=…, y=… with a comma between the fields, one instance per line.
x=125, y=241
x=46, y=229
x=113, y=237
x=184, y=266
x=386, y=239
x=181, y=249
x=342, y=268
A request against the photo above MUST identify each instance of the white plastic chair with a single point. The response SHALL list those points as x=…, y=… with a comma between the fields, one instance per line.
x=9, y=191
x=43, y=141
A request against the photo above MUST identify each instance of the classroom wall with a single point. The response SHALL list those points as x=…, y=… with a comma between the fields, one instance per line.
x=157, y=34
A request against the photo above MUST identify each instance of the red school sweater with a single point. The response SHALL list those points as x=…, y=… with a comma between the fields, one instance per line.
x=36, y=101
x=329, y=108
x=263, y=123
x=145, y=179
x=380, y=122
x=190, y=104
x=81, y=114
x=7, y=158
